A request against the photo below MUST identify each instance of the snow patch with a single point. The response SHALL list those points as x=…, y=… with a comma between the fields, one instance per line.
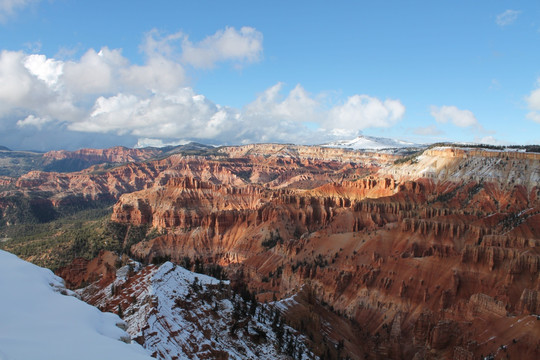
x=39, y=322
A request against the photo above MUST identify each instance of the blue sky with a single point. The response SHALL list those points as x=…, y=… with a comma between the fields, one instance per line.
x=94, y=74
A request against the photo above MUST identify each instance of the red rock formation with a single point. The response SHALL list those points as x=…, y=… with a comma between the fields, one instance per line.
x=82, y=272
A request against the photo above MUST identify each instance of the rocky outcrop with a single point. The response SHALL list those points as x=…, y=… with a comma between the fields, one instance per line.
x=82, y=272
x=481, y=304
x=530, y=301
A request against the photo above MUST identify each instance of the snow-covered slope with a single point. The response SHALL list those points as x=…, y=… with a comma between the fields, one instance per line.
x=178, y=314
x=446, y=163
x=370, y=143
x=40, y=320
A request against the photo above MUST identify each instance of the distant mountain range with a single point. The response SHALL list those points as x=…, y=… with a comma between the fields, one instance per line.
x=370, y=143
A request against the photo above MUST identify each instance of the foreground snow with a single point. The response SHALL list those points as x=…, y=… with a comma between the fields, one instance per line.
x=39, y=320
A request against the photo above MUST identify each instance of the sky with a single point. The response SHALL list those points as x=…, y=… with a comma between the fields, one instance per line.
x=77, y=74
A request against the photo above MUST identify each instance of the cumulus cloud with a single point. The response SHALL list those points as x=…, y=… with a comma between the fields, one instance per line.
x=533, y=103
x=47, y=70
x=461, y=118
x=490, y=140
x=182, y=114
x=31, y=120
x=158, y=74
x=534, y=116
x=533, y=100
x=362, y=111
x=9, y=7
x=94, y=72
x=229, y=44
x=27, y=86
x=238, y=46
x=156, y=43
x=507, y=17
x=270, y=105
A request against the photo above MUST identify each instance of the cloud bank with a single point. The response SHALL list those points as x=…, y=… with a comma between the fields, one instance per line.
x=102, y=93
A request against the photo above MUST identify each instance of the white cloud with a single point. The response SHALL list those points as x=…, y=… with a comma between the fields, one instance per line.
x=31, y=120
x=9, y=7
x=533, y=100
x=534, y=116
x=533, y=103
x=507, y=17
x=158, y=74
x=272, y=106
x=15, y=80
x=156, y=43
x=244, y=46
x=182, y=114
x=362, y=111
x=461, y=118
x=490, y=140
x=27, y=84
x=295, y=115
x=238, y=46
x=47, y=70
x=95, y=72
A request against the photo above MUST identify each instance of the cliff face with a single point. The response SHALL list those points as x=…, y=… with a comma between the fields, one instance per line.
x=100, y=270
x=444, y=265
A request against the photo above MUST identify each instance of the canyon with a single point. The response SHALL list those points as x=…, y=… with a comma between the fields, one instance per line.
x=418, y=255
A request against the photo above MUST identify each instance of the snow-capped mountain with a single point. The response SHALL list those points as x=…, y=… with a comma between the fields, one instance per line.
x=40, y=319
x=363, y=142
